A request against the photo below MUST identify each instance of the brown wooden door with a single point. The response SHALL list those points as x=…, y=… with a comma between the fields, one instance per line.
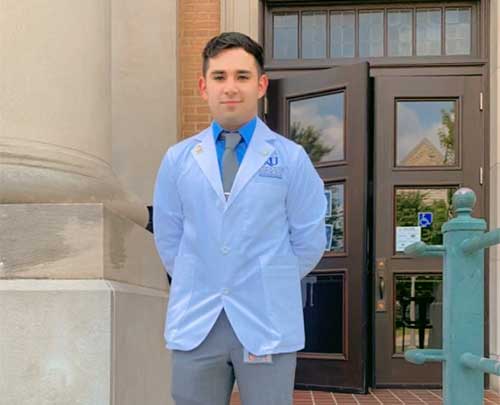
x=327, y=112
x=428, y=142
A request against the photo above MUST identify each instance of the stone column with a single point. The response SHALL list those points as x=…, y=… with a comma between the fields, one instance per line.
x=55, y=106
x=82, y=290
x=494, y=171
x=241, y=16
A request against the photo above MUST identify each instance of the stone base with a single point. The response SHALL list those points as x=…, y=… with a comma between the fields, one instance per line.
x=82, y=309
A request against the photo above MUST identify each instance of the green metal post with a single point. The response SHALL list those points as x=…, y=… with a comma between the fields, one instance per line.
x=463, y=304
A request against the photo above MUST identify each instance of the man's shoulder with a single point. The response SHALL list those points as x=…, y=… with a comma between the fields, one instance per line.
x=181, y=148
x=284, y=144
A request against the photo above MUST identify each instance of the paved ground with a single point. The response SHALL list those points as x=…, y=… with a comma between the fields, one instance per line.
x=375, y=397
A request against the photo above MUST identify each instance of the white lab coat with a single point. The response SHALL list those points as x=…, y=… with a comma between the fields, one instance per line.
x=247, y=254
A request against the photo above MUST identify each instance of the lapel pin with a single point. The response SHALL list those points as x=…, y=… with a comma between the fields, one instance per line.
x=198, y=149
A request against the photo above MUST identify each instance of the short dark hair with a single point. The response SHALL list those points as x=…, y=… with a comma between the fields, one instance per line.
x=229, y=40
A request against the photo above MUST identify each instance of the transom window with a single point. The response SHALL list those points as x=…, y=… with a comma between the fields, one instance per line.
x=371, y=31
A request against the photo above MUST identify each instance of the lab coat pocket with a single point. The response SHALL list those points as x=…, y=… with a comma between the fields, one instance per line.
x=281, y=280
x=181, y=288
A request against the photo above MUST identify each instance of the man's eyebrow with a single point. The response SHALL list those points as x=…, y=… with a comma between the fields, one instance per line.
x=222, y=72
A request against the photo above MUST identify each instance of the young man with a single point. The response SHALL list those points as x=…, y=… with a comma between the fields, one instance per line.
x=239, y=220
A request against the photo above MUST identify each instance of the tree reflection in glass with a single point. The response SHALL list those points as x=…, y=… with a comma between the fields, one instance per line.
x=426, y=133
x=317, y=123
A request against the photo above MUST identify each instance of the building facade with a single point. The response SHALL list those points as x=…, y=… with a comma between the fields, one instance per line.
x=395, y=102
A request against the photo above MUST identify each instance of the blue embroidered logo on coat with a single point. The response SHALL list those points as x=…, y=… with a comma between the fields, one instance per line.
x=271, y=168
x=272, y=161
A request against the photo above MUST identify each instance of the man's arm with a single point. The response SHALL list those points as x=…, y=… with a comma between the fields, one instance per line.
x=167, y=214
x=306, y=208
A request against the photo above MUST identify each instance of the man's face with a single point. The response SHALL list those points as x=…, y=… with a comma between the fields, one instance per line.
x=232, y=86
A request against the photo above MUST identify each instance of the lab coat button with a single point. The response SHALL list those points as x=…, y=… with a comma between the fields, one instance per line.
x=225, y=250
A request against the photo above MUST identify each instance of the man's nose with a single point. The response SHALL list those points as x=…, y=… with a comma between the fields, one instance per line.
x=230, y=87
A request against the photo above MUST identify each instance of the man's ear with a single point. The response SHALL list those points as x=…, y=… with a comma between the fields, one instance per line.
x=263, y=84
x=202, y=86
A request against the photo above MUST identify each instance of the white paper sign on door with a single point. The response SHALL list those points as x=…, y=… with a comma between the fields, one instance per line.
x=406, y=235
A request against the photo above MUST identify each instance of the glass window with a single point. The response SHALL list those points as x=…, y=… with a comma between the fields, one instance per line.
x=458, y=31
x=313, y=35
x=323, y=298
x=420, y=213
x=400, y=31
x=317, y=124
x=418, y=318
x=342, y=34
x=335, y=218
x=371, y=33
x=428, y=32
x=285, y=34
x=426, y=133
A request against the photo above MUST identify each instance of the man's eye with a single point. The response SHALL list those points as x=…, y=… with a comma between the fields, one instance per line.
x=218, y=77
x=242, y=77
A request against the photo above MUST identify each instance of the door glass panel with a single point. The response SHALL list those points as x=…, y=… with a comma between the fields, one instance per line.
x=426, y=133
x=342, y=34
x=428, y=32
x=313, y=35
x=371, y=34
x=323, y=303
x=399, y=29
x=458, y=31
x=317, y=124
x=285, y=34
x=420, y=213
x=418, y=312
x=335, y=218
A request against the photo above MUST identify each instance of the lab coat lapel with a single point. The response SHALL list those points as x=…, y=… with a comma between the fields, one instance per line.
x=206, y=156
x=257, y=153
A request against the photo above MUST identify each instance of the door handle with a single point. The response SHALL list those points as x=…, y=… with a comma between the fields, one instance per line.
x=381, y=303
x=381, y=287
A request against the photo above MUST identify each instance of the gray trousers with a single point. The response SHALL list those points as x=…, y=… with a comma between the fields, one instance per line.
x=206, y=374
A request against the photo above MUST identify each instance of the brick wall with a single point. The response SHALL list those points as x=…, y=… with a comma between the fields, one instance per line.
x=199, y=20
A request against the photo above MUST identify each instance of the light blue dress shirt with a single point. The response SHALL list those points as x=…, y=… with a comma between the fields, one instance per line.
x=246, y=132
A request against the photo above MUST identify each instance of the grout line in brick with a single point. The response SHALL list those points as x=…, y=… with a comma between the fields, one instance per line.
x=416, y=396
x=356, y=399
x=395, y=396
x=334, y=399
x=312, y=398
x=433, y=393
x=374, y=396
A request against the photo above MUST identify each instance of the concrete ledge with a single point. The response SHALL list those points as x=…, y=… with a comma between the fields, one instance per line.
x=76, y=241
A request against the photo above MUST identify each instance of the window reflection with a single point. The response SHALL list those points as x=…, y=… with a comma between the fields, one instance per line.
x=323, y=299
x=426, y=133
x=371, y=34
x=285, y=33
x=399, y=30
x=428, y=32
x=342, y=34
x=318, y=125
x=418, y=312
x=313, y=35
x=458, y=31
x=420, y=213
x=334, y=194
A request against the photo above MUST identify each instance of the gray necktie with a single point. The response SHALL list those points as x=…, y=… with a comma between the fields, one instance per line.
x=229, y=160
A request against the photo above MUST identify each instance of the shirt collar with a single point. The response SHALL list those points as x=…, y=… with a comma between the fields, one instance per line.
x=246, y=131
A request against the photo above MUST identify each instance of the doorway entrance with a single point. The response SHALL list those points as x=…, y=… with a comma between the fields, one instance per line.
x=391, y=150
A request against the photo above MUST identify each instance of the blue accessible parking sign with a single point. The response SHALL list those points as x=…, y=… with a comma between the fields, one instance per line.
x=424, y=219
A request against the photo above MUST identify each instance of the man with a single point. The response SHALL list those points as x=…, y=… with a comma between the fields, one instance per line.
x=239, y=220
